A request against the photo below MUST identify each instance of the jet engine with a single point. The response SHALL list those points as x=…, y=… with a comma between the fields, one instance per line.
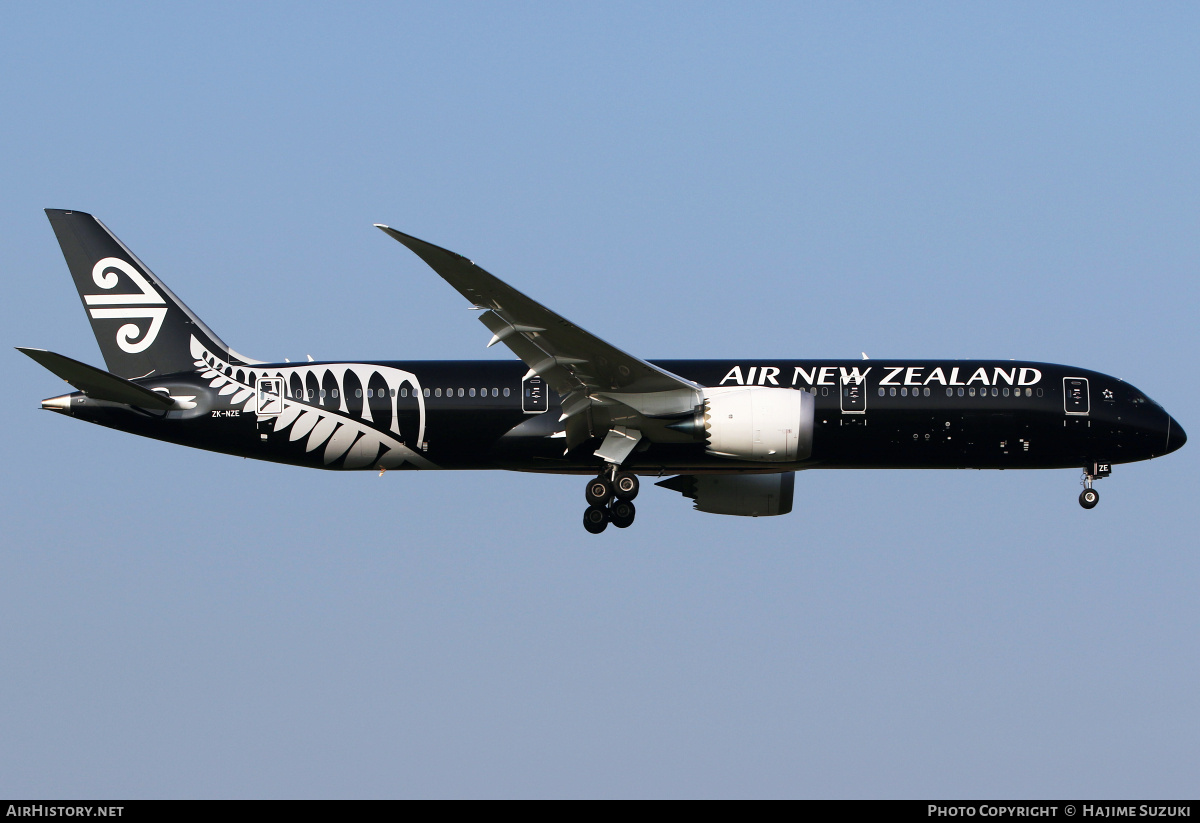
x=759, y=423
x=746, y=495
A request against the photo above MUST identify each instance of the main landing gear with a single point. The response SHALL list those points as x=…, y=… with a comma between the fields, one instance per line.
x=610, y=500
x=1089, y=497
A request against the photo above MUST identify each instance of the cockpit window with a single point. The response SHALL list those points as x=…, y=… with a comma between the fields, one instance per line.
x=1139, y=399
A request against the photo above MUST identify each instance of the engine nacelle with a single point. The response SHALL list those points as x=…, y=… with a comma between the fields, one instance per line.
x=746, y=495
x=759, y=423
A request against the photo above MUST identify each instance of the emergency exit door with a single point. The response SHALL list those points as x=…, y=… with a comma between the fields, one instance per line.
x=533, y=395
x=270, y=395
x=1075, y=395
x=854, y=397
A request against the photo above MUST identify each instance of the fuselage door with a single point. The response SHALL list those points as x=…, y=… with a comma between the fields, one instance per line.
x=533, y=395
x=1075, y=395
x=854, y=396
x=270, y=395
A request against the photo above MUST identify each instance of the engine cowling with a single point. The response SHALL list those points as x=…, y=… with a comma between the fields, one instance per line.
x=759, y=423
x=746, y=495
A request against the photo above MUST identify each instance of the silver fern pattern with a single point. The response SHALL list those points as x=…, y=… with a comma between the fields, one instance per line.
x=368, y=437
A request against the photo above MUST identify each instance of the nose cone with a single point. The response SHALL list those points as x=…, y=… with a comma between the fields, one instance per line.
x=1176, y=436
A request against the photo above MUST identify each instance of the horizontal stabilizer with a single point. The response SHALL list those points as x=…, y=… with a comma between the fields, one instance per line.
x=97, y=383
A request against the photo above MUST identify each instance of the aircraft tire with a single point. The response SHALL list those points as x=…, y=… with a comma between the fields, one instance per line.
x=627, y=486
x=1088, y=498
x=595, y=519
x=599, y=491
x=622, y=514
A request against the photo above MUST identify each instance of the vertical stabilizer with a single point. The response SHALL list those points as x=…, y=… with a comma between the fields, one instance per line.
x=142, y=328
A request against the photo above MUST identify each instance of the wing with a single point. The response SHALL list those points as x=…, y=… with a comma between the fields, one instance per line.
x=585, y=371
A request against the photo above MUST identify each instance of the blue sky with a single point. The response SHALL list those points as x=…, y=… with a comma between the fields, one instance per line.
x=685, y=180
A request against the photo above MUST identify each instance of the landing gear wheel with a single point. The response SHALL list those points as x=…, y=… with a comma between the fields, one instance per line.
x=595, y=519
x=626, y=486
x=1088, y=498
x=599, y=491
x=622, y=514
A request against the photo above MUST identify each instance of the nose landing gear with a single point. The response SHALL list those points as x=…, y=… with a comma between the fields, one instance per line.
x=1089, y=497
x=609, y=498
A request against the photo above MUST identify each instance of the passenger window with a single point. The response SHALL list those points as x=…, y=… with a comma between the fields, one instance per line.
x=1039, y=392
x=472, y=392
x=881, y=391
x=426, y=392
x=506, y=391
x=926, y=391
x=460, y=392
x=437, y=392
x=404, y=392
x=496, y=393
x=1006, y=391
x=961, y=392
x=892, y=392
x=334, y=392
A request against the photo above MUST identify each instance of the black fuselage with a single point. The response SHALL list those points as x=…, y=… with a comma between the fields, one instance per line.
x=495, y=415
x=731, y=433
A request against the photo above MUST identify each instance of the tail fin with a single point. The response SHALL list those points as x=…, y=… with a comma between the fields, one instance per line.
x=142, y=328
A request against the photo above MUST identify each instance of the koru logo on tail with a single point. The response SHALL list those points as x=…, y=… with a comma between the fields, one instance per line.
x=127, y=306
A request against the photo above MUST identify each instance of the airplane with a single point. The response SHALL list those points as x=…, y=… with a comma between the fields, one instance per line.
x=728, y=434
